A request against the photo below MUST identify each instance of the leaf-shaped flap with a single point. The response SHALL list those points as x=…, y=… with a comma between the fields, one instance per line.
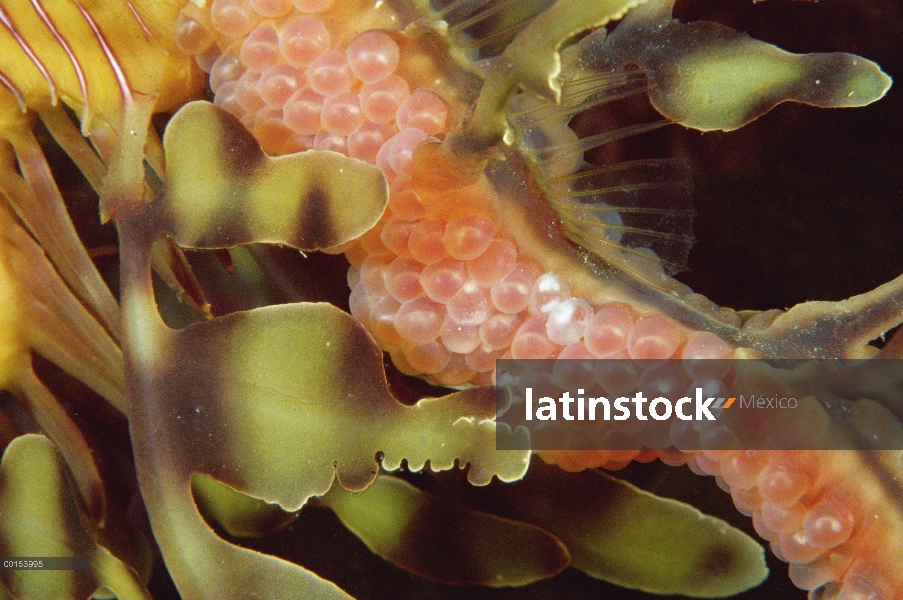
x=707, y=76
x=295, y=394
x=238, y=514
x=222, y=190
x=438, y=540
x=39, y=518
x=619, y=533
x=276, y=403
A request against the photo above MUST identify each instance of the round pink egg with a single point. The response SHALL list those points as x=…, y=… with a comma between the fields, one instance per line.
x=373, y=55
x=302, y=40
x=329, y=74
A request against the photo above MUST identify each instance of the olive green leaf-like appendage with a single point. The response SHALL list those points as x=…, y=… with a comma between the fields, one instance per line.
x=223, y=191
x=429, y=536
x=550, y=519
x=707, y=76
x=276, y=402
x=619, y=533
x=410, y=528
x=39, y=517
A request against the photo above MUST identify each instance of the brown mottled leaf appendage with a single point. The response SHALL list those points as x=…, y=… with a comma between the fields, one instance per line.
x=279, y=401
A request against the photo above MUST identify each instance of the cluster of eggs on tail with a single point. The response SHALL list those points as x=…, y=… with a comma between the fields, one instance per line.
x=818, y=527
x=831, y=538
x=448, y=298
x=445, y=299
x=274, y=65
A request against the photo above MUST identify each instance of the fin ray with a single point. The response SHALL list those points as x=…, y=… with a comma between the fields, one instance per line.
x=642, y=208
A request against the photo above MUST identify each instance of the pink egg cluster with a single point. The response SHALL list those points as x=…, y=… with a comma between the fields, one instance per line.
x=445, y=299
x=812, y=523
x=448, y=299
x=274, y=65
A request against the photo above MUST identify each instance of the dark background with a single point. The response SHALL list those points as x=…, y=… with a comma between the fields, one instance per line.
x=805, y=203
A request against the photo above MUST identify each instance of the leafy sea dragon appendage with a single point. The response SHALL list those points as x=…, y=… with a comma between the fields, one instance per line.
x=499, y=241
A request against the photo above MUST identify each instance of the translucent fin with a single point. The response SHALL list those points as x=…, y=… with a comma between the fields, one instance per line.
x=581, y=94
x=486, y=11
x=638, y=214
x=485, y=28
x=498, y=38
x=553, y=153
x=541, y=126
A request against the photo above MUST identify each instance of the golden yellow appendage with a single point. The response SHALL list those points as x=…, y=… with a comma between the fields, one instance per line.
x=11, y=309
x=37, y=311
x=113, y=63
